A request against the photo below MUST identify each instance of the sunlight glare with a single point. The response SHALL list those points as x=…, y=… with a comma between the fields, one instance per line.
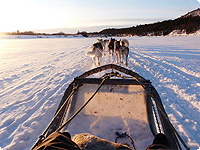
x=10, y=14
x=25, y=16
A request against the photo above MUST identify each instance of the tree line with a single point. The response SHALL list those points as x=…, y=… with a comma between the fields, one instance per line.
x=83, y=33
x=183, y=24
x=188, y=24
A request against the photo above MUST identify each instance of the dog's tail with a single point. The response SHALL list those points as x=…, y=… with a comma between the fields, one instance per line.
x=124, y=42
x=90, y=53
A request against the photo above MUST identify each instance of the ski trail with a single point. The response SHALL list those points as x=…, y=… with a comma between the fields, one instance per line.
x=170, y=81
x=40, y=101
x=32, y=84
x=57, y=58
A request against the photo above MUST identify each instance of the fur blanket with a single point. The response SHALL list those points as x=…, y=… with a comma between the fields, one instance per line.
x=86, y=141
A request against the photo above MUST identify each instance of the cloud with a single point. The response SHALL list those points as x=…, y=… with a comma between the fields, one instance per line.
x=198, y=1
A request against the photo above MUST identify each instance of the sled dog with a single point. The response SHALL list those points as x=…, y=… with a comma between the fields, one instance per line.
x=111, y=46
x=122, y=50
x=103, y=42
x=124, y=42
x=96, y=52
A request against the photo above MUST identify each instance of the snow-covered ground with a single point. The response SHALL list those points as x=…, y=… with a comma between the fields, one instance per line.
x=34, y=74
x=2, y=36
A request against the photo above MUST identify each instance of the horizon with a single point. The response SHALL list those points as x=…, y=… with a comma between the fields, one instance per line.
x=90, y=16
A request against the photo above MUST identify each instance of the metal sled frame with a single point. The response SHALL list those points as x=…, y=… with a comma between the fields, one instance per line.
x=153, y=98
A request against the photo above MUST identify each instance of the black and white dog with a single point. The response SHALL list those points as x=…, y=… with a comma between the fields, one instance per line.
x=96, y=52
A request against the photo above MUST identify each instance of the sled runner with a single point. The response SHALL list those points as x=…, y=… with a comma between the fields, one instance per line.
x=120, y=106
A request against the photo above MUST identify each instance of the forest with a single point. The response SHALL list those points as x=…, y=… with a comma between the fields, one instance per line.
x=188, y=25
x=184, y=24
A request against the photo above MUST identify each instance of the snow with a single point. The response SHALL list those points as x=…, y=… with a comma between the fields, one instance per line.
x=2, y=36
x=183, y=33
x=35, y=72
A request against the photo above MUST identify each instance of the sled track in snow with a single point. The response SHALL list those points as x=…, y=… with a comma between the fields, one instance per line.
x=170, y=81
x=52, y=90
x=30, y=92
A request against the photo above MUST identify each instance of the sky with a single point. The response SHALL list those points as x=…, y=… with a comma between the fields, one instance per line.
x=69, y=16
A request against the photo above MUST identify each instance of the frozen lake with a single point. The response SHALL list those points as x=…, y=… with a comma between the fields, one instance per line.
x=34, y=74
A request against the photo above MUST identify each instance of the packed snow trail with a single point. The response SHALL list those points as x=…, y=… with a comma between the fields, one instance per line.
x=34, y=73
x=32, y=96
x=177, y=85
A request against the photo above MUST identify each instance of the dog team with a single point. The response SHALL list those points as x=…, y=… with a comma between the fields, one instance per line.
x=120, y=48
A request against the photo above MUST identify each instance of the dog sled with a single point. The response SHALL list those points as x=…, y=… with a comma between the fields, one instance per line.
x=120, y=106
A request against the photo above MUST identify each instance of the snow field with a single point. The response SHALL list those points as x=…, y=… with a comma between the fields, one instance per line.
x=34, y=74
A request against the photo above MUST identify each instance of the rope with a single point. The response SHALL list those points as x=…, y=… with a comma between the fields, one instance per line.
x=100, y=51
x=124, y=135
x=165, y=115
x=106, y=58
x=103, y=55
x=42, y=136
x=83, y=106
x=163, y=112
x=114, y=59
